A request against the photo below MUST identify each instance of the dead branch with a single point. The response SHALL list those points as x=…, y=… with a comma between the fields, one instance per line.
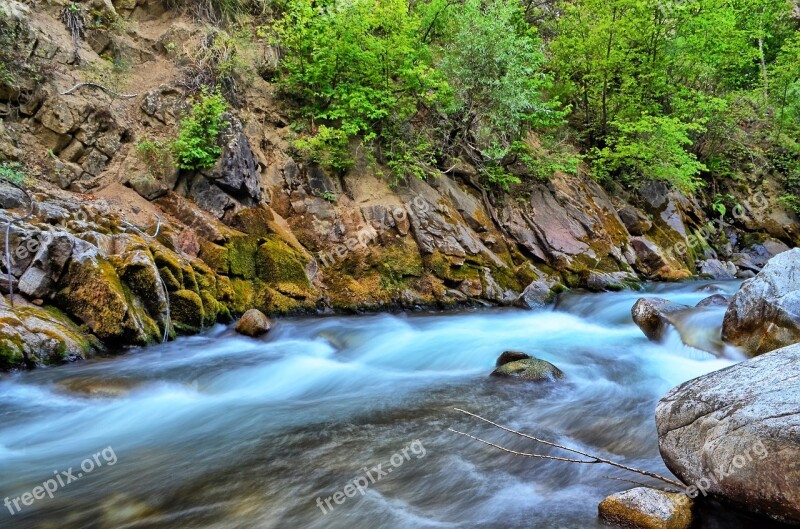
x=592, y=458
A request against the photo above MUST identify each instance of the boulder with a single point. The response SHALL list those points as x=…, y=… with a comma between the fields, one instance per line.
x=91, y=290
x=253, y=323
x=756, y=256
x=733, y=434
x=237, y=171
x=537, y=294
x=716, y=269
x=646, y=508
x=765, y=313
x=31, y=336
x=533, y=369
x=511, y=356
x=39, y=280
x=597, y=281
x=655, y=315
x=715, y=300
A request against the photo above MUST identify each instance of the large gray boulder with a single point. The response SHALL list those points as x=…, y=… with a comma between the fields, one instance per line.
x=735, y=434
x=765, y=313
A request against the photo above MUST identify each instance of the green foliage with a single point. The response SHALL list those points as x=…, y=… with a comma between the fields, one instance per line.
x=650, y=148
x=330, y=197
x=197, y=145
x=12, y=172
x=493, y=62
x=354, y=63
x=544, y=157
x=499, y=176
x=329, y=147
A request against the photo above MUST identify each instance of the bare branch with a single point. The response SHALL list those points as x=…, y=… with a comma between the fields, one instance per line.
x=596, y=459
x=523, y=454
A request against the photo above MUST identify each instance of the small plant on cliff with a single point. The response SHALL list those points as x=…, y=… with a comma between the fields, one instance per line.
x=157, y=155
x=12, y=172
x=197, y=146
x=73, y=18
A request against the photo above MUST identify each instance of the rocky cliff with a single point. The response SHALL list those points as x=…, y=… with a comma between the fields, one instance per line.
x=120, y=250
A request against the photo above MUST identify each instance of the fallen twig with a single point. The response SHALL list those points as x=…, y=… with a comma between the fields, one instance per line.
x=592, y=458
x=101, y=87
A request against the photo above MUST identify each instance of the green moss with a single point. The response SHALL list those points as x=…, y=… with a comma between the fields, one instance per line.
x=170, y=262
x=210, y=308
x=279, y=263
x=189, y=279
x=254, y=221
x=11, y=352
x=204, y=276
x=187, y=311
x=215, y=256
x=242, y=256
x=398, y=261
x=169, y=279
x=242, y=294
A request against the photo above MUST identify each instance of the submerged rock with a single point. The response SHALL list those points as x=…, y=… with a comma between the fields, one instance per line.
x=533, y=369
x=716, y=300
x=765, y=313
x=655, y=315
x=733, y=434
x=646, y=508
x=253, y=323
x=511, y=356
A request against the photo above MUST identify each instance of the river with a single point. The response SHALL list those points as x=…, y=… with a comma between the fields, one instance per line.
x=222, y=431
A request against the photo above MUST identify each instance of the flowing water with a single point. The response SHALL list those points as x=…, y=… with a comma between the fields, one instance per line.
x=223, y=431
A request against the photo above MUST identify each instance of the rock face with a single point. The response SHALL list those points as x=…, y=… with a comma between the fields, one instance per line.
x=253, y=323
x=655, y=315
x=533, y=369
x=646, y=508
x=765, y=313
x=734, y=434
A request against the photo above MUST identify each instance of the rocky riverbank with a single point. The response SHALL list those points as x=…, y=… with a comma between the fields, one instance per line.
x=119, y=253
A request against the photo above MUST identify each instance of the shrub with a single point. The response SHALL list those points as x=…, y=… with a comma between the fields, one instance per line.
x=650, y=148
x=219, y=63
x=197, y=145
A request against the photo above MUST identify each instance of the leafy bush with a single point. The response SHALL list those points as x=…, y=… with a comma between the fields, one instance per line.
x=493, y=61
x=197, y=145
x=329, y=147
x=650, y=148
x=354, y=63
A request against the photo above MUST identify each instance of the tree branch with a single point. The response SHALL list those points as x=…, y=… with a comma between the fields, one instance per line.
x=593, y=458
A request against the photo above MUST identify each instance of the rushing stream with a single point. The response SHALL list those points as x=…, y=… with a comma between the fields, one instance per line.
x=222, y=431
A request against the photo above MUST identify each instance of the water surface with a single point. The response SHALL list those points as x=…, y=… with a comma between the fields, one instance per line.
x=222, y=431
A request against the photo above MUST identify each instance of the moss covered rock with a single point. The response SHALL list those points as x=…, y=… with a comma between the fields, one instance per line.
x=646, y=508
x=187, y=311
x=33, y=336
x=533, y=369
x=93, y=292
